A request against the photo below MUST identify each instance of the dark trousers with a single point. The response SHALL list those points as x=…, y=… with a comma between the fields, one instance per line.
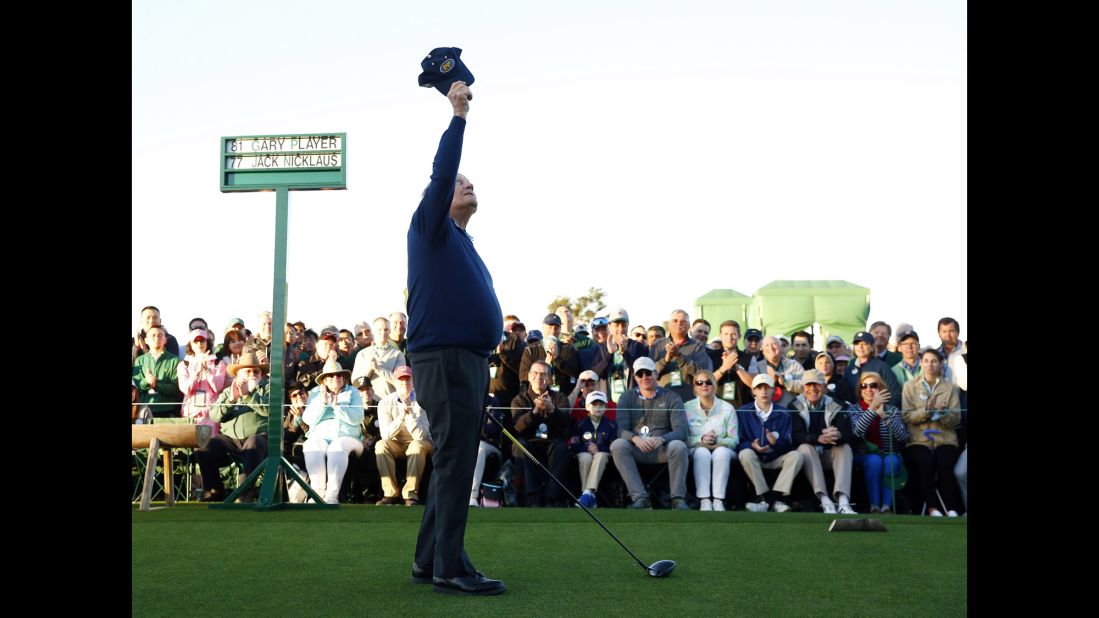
x=935, y=467
x=222, y=450
x=554, y=454
x=451, y=386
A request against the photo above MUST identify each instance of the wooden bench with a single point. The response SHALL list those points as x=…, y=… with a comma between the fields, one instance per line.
x=167, y=436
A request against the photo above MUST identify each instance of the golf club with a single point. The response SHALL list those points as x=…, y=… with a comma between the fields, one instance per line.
x=660, y=568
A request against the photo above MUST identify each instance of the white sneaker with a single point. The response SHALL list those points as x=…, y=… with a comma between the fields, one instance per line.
x=952, y=513
x=935, y=512
x=758, y=507
x=845, y=509
x=706, y=505
x=719, y=504
x=827, y=506
x=781, y=507
x=474, y=502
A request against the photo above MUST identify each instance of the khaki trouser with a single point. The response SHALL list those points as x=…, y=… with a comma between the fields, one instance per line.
x=838, y=459
x=790, y=463
x=402, y=445
x=589, y=474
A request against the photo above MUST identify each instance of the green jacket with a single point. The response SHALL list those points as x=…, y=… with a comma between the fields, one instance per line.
x=167, y=383
x=246, y=416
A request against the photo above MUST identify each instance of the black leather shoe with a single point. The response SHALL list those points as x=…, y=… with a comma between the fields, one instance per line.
x=468, y=584
x=388, y=500
x=423, y=574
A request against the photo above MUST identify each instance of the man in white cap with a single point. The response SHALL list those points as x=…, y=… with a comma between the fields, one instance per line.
x=652, y=429
x=766, y=442
x=405, y=432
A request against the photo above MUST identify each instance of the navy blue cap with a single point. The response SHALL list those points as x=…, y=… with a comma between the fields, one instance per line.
x=552, y=319
x=909, y=335
x=753, y=332
x=862, y=336
x=534, y=335
x=442, y=67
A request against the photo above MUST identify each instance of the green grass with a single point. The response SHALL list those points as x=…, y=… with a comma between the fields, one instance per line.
x=191, y=561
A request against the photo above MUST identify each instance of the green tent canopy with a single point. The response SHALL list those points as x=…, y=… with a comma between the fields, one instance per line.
x=716, y=306
x=785, y=307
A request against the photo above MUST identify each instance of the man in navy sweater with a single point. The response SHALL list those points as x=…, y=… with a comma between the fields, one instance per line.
x=449, y=343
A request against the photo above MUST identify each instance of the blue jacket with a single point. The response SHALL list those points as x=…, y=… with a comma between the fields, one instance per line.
x=602, y=437
x=451, y=301
x=751, y=428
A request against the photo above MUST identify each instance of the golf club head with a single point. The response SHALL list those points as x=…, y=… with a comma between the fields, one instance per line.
x=661, y=568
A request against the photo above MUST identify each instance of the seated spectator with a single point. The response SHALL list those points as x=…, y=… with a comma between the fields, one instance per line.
x=652, y=429
x=588, y=383
x=156, y=375
x=785, y=373
x=201, y=379
x=932, y=412
x=766, y=442
x=713, y=429
x=293, y=437
x=822, y=430
x=362, y=469
x=591, y=443
x=541, y=421
x=491, y=435
x=835, y=383
x=333, y=415
x=883, y=434
x=405, y=432
x=242, y=410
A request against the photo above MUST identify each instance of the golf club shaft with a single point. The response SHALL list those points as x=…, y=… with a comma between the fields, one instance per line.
x=564, y=489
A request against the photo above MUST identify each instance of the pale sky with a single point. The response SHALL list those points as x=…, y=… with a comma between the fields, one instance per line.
x=657, y=150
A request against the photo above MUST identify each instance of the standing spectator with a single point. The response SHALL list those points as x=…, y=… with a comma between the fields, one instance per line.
x=156, y=375
x=753, y=344
x=785, y=373
x=931, y=412
x=712, y=423
x=260, y=343
x=908, y=368
x=678, y=357
x=590, y=441
x=867, y=360
x=615, y=352
x=306, y=372
x=562, y=357
x=364, y=337
x=834, y=382
x=201, y=379
x=345, y=349
x=883, y=433
x=729, y=363
x=567, y=323
x=334, y=414
x=881, y=332
x=655, y=332
x=637, y=333
x=803, y=349
x=398, y=323
x=505, y=363
x=232, y=347
x=700, y=331
x=834, y=346
x=585, y=346
x=380, y=361
x=150, y=316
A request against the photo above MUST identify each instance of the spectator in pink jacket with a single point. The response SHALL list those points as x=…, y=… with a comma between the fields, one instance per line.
x=201, y=379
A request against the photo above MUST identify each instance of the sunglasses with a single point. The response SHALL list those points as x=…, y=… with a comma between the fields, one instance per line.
x=869, y=385
x=704, y=382
x=643, y=373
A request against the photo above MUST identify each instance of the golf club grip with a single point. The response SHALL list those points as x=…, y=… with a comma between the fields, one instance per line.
x=565, y=489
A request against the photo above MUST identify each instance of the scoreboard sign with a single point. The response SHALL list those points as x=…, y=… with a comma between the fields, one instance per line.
x=297, y=162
